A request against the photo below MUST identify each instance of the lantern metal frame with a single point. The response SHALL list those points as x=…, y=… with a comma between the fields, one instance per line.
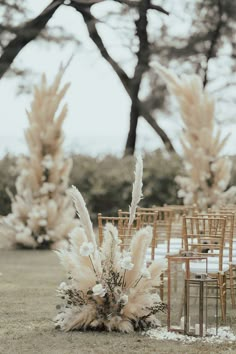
x=202, y=283
x=185, y=258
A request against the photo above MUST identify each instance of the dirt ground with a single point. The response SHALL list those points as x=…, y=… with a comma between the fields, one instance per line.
x=28, y=302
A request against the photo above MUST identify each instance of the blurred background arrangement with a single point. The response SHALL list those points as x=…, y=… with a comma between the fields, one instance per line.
x=117, y=104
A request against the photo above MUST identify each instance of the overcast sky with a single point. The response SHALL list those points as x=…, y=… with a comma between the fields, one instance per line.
x=98, y=117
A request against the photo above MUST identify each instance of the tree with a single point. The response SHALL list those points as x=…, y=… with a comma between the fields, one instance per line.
x=42, y=214
x=211, y=28
x=32, y=29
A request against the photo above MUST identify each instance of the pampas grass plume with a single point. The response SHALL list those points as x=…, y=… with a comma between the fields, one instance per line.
x=137, y=189
x=83, y=214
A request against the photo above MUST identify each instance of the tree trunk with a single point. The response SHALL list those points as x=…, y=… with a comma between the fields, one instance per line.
x=142, y=65
x=90, y=21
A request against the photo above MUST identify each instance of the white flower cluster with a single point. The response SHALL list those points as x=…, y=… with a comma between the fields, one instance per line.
x=86, y=249
x=98, y=290
x=47, y=188
x=47, y=162
x=125, y=262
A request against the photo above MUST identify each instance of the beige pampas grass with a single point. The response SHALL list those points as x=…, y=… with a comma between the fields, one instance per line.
x=137, y=189
x=104, y=291
x=42, y=211
x=207, y=171
x=138, y=248
x=83, y=214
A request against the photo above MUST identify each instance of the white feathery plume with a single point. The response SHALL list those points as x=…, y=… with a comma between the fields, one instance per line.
x=170, y=78
x=139, y=245
x=137, y=189
x=83, y=214
x=110, y=249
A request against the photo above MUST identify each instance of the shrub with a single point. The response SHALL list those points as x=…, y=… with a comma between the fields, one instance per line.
x=8, y=175
x=107, y=183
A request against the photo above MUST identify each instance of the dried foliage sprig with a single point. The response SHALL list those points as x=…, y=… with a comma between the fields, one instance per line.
x=137, y=189
x=207, y=172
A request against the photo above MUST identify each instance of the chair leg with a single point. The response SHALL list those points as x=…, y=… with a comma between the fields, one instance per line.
x=231, y=284
x=162, y=287
x=222, y=288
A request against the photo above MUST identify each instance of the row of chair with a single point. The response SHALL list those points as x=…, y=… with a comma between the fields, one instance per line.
x=177, y=228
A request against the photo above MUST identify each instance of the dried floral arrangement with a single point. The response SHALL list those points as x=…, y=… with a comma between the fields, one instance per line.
x=109, y=288
x=42, y=211
x=207, y=171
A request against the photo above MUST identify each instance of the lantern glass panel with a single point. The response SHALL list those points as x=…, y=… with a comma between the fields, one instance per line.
x=178, y=319
x=201, y=306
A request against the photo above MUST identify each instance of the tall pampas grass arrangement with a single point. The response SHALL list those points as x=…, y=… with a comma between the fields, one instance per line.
x=109, y=288
x=42, y=211
x=207, y=171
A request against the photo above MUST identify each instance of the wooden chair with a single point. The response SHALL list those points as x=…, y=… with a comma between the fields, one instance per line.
x=205, y=235
x=164, y=243
x=125, y=231
x=177, y=221
x=146, y=218
x=229, y=252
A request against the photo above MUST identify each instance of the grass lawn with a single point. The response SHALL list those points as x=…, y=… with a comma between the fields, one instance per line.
x=28, y=303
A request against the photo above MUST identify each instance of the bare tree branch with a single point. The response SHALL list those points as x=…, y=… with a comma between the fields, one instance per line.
x=91, y=21
x=143, y=55
x=145, y=113
x=214, y=39
x=25, y=34
x=137, y=3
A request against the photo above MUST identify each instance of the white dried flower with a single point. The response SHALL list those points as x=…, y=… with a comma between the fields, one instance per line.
x=222, y=184
x=42, y=222
x=19, y=227
x=214, y=167
x=126, y=263
x=181, y=193
x=86, y=249
x=24, y=172
x=124, y=299
x=23, y=235
x=43, y=213
x=47, y=162
x=98, y=290
x=34, y=214
x=63, y=286
x=47, y=187
x=40, y=239
x=145, y=273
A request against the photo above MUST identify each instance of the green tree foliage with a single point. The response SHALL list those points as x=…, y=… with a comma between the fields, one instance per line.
x=8, y=175
x=106, y=183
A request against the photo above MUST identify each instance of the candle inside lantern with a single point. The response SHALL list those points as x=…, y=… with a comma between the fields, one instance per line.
x=182, y=323
x=197, y=329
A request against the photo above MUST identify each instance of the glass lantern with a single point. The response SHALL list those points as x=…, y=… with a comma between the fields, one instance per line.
x=201, y=306
x=181, y=293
